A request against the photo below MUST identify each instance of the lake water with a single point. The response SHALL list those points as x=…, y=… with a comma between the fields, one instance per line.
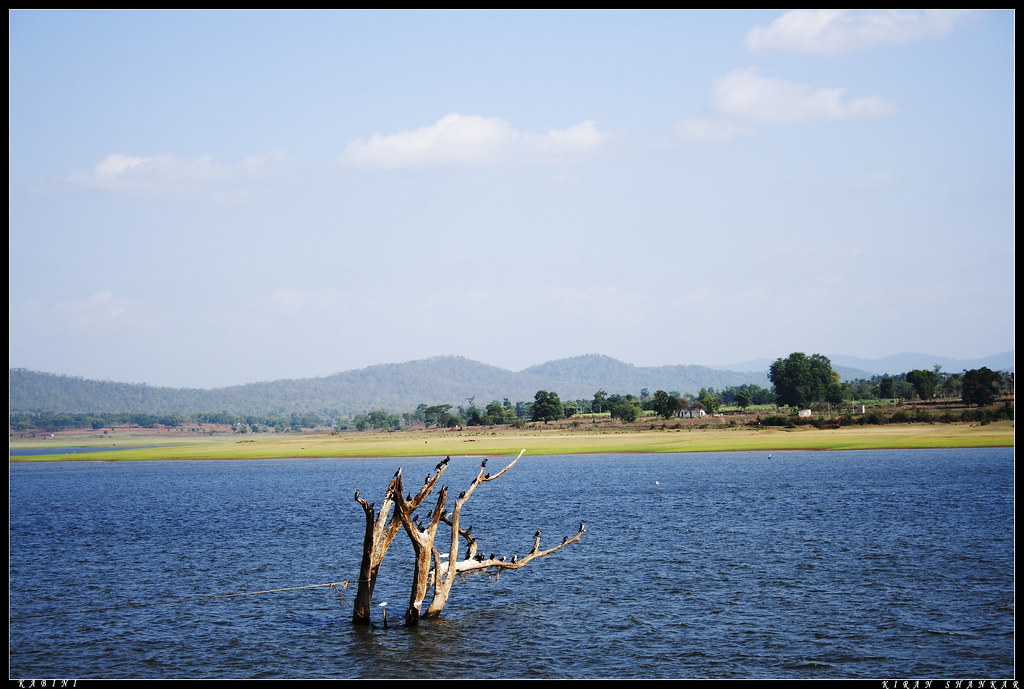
x=861, y=564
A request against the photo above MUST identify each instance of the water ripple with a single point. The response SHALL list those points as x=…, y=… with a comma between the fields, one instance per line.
x=811, y=565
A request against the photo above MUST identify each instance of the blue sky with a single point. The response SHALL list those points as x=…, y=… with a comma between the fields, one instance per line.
x=200, y=199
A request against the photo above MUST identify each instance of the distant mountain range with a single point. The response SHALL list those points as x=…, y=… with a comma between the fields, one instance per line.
x=438, y=380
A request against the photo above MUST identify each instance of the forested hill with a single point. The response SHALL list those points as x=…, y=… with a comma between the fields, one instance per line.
x=594, y=372
x=395, y=387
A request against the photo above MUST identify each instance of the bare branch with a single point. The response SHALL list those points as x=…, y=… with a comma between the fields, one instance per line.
x=497, y=564
x=445, y=575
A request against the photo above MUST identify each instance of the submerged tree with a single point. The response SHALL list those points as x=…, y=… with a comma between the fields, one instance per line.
x=381, y=529
x=431, y=565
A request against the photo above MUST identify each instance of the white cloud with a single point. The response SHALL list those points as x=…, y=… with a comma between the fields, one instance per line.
x=829, y=32
x=578, y=138
x=745, y=94
x=169, y=174
x=102, y=310
x=705, y=129
x=469, y=140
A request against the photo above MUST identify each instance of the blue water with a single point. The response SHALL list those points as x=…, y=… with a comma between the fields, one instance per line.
x=880, y=564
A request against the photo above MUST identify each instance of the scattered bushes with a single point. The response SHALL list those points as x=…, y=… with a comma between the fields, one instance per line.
x=875, y=418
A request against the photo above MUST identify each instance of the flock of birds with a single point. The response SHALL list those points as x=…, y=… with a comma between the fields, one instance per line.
x=478, y=557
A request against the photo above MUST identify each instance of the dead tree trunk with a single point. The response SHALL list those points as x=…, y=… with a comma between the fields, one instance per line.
x=381, y=529
x=422, y=537
x=447, y=567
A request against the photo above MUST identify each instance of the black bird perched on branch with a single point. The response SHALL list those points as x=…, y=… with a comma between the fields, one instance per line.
x=537, y=535
x=462, y=495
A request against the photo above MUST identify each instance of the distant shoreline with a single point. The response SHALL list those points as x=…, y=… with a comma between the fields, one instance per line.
x=497, y=442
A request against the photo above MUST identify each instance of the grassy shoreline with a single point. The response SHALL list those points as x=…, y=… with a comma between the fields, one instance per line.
x=488, y=441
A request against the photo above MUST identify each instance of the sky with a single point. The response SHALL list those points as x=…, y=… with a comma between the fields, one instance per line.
x=203, y=199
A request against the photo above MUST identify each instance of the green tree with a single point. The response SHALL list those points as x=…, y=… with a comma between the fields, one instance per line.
x=546, y=406
x=497, y=413
x=980, y=387
x=743, y=398
x=887, y=388
x=800, y=380
x=627, y=410
x=709, y=400
x=665, y=404
x=524, y=409
x=384, y=420
x=952, y=385
x=436, y=415
x=924, y=382
x=600, y=403
x=834, y=389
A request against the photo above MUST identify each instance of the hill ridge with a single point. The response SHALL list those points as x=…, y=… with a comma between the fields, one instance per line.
x=397, y=387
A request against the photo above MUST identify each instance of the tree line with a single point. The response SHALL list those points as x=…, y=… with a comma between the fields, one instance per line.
x=798, y=381
x=52, y=422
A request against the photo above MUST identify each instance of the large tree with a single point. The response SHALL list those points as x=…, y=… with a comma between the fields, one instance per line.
x=546, y=406
x=666, y=404
x=436, y=415
x=924, y=382
x=980, y=386
x=626, y=409
x=799, y=380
